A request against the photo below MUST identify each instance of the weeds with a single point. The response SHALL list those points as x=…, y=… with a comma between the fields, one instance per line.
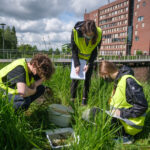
x=23, y=131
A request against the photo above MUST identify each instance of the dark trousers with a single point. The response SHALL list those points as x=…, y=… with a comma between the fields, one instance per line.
x=87, y=81
x=24, y=102
x=116, y=123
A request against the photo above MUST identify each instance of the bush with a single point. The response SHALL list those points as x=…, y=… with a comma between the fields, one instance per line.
x=139, y=52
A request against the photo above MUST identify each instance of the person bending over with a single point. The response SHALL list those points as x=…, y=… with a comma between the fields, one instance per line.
x=22, y=80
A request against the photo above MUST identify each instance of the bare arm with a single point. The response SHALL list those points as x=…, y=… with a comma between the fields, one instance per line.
x=26, y=91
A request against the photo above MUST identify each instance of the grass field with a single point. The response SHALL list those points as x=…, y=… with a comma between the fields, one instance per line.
x=25, y=130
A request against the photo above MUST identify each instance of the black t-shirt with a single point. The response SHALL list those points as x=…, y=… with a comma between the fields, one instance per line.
x=18, y=74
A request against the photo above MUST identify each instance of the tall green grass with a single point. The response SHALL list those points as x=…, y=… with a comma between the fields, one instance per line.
x=15, y=131
x=27, y=130
x=92, y=136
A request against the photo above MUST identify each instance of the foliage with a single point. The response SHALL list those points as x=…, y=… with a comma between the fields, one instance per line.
x=16, y=132
x=10, y=38
x=27, y=48
x=28, y=129
x=57, y=51
x=50, y=51
x=66, y=49
x=139, y=52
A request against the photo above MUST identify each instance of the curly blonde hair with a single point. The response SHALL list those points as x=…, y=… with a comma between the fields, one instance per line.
x=44, y=65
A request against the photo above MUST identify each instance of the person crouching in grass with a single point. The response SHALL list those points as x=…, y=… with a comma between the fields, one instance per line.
x=23, y=80
x=127, y=101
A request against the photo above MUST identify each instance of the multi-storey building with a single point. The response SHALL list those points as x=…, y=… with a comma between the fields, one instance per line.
x=141, y=27
x=124, y=24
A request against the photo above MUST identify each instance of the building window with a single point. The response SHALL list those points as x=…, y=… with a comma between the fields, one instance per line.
x=136, y=32
x=137, y=6
x=136, y=26
x=143, y=25
x=144, y=3
x=126, y=8
x=135, y=13
x=139, y=0
x=136, y=38
x=140, y=18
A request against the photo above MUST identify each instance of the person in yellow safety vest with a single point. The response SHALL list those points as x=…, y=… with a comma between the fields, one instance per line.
x=127, y=103
x=85, y=40
x=23, y=80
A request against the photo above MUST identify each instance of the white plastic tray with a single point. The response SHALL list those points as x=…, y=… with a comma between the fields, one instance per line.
x=51, y=133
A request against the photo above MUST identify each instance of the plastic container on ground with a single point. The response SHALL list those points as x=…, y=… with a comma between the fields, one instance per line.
x=60, y=138
x=60, y=115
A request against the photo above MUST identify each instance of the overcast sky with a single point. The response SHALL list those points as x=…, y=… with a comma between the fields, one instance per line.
x=45, y=23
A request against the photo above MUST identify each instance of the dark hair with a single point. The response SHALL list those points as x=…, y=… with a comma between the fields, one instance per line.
x=90, y=26
x=44, y=65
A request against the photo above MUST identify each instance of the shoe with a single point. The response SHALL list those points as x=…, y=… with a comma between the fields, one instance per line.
x=124, y=140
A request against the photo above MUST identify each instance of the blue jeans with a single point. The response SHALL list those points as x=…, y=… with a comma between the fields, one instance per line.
x=24, y=102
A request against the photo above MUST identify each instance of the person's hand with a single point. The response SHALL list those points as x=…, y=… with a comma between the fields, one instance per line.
x=86, y=67
x=77, y=70
x=116, y=112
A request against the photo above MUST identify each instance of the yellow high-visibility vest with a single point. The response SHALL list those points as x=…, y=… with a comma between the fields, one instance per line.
x=132, y=126
x=84, y=49
x=4, y=71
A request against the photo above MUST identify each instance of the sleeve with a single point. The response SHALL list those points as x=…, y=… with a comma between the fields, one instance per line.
x=17, y=75
x=74, y=49
x=135, y=96
x=94, y=53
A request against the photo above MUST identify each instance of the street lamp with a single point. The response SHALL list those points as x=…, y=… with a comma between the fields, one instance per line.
x=3, y=25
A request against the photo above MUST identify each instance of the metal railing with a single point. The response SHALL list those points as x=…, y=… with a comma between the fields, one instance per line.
x=14, y=54
x=125, y=58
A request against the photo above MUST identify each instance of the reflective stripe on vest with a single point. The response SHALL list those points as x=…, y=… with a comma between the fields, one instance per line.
x=127, y=121
x=4, y=71
x=132, y=124
x=86, y=55
x=118, y=101
x=84, y=49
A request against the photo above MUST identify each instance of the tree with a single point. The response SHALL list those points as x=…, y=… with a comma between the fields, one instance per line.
x=66, y=48
x=34, y=48
x=50, y=51
x=57, y=52
x=27, y=48
x=8, y=38
x=14, y=38
x=1, y=39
